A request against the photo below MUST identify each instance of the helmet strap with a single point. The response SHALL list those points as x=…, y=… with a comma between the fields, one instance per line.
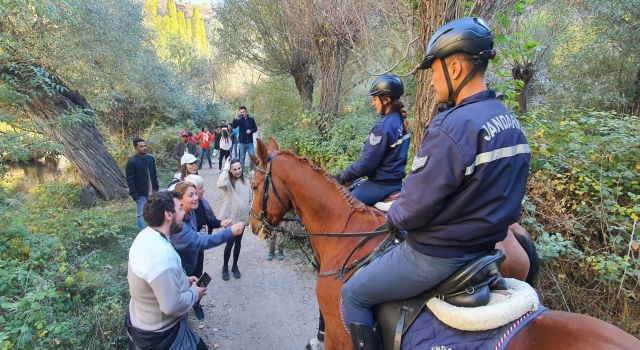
x=451, y=101
x=383, y=106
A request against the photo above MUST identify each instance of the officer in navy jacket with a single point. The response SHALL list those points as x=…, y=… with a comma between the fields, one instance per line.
x=385, y=151
x=466, y=184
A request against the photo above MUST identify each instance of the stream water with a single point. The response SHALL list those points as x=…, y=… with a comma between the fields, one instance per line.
x=24, y=176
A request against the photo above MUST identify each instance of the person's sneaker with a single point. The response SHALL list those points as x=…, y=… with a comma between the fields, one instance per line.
x=270, y=256
x=280, y=255
x=197, y=310
x=236, y=272
x=225, y=274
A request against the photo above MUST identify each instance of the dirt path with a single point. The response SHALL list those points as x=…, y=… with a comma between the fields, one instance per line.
x=273, y=304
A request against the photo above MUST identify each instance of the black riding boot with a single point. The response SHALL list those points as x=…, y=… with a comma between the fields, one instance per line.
x=365, y=337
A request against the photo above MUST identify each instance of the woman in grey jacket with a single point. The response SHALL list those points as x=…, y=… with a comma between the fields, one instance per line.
x=236, y=204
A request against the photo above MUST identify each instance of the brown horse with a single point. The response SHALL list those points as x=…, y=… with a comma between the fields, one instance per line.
x=324, y=206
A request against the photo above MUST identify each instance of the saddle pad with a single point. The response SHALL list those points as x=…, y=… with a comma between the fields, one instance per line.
x=383, y=206
x=504, y=306
x=429, y=333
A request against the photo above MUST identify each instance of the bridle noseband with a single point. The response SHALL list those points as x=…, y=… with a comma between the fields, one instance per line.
x=268, y=182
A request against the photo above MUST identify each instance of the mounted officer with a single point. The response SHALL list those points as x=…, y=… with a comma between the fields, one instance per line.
x=385, y=152
x=466, y=184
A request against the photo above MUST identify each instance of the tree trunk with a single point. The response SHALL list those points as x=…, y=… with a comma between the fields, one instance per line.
x=635, y=107
x=304, y=84
x=523, y=72
x=333, y=54
x=433, y=15
x=83, y=144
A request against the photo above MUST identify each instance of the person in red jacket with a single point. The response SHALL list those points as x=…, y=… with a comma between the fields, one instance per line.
x=205, y=138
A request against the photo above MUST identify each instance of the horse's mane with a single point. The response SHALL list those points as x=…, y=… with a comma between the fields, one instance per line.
x=351, y=200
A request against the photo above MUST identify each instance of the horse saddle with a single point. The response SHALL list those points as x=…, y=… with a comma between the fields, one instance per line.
x=385, y=204
x=469, y=287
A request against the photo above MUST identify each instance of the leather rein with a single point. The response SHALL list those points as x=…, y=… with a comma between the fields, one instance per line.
x=269, y=228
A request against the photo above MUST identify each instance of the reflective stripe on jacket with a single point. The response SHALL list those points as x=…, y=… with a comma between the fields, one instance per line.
x=385, y=152
x=467, y=181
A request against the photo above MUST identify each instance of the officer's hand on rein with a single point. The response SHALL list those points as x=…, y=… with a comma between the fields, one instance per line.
x=338, y=177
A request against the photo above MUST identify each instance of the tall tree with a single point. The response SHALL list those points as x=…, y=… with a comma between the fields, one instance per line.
x=150, y=8
x=199, y=33
x=276, y=47
x=433, y=14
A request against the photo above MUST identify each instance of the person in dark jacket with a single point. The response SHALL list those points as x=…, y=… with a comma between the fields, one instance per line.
x=247, y=127
x=184, y=146
x=386, y=150
x=466, y=184
x=141, y=177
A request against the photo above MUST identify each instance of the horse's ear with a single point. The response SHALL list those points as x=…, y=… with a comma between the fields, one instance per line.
x=273, y=145
x=262, y=153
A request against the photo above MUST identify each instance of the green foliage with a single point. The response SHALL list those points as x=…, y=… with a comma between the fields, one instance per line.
x=584, y=186
x=62, y=284
x=515, y=49
x=595, y=58
x=110, y=55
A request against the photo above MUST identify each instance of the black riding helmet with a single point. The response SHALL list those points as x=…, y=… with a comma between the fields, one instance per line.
x=387, y=85
x=470, y=35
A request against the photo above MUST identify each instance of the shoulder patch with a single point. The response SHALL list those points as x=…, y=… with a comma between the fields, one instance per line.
x=374, y=140
x=419, y=162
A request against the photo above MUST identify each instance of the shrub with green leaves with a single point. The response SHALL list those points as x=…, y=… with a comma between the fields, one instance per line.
x=63, y=284
x=584, y=189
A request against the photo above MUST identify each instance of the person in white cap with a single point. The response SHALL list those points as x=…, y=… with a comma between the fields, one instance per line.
x=188, y=165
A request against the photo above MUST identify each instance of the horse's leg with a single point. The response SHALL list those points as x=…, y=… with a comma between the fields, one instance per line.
x=328, y=294
x=564, y=330
x=527, y=243
x=516, y=265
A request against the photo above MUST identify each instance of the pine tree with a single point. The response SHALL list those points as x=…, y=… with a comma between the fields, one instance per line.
x=150, y=9
x=188, y=30
x=199, y=33
x=171, y=18
x=182, y=30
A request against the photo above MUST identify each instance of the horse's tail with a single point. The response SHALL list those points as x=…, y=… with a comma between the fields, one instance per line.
x=529, y=246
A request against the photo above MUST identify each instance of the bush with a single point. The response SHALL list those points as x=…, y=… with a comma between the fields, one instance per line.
x=63, y=283
x=581, y=206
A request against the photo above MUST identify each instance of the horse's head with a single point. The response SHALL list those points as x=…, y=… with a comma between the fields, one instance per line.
x=270, y=198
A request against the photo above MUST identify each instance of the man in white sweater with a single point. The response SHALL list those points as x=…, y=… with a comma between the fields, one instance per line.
x=161, y=293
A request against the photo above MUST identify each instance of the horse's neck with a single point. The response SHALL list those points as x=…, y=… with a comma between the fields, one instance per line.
x=316, y=200
x=322, y=208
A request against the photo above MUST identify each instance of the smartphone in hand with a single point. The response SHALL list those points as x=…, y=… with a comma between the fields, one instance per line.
x=204, y=280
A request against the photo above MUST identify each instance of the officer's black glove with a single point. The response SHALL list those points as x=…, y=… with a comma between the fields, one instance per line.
x=338, y=177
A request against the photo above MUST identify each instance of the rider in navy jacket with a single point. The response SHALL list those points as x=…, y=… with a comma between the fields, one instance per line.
x=466, y=184
x=467, y=181
x=385, y=151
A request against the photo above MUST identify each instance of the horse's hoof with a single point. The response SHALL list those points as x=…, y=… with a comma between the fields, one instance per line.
x=314, y=344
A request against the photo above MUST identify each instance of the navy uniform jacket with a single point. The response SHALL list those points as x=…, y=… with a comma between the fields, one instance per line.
x=385, y=152
x=467, y=182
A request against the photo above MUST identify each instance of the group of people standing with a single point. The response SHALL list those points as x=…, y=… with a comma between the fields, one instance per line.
x=230, y=140
x=167, y=256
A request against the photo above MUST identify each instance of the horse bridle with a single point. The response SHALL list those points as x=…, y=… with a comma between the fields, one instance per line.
x=267, y=226
x=268, y=182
